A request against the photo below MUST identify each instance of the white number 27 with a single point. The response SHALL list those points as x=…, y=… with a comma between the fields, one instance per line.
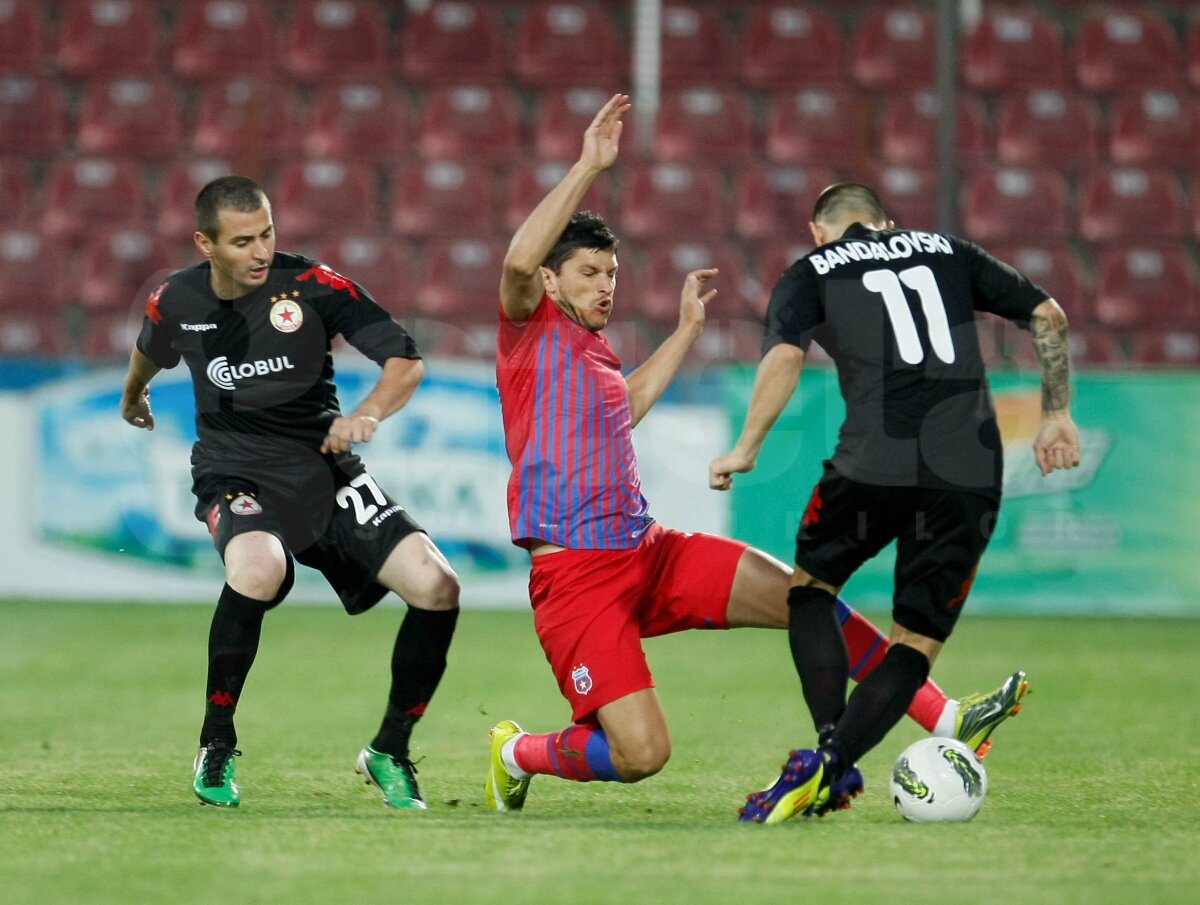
x=921, y=280
x=351, y=497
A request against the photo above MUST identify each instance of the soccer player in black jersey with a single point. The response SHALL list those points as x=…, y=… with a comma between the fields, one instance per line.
x=273, y=471
x=918, y=459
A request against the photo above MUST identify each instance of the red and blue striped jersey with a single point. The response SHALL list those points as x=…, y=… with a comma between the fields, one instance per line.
x=568, y=430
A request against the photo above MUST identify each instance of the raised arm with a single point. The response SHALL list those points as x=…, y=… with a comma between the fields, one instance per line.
x=521, y=283
x=135, y=395
x=778, y=374
x=1056, y=444
x=396, y=386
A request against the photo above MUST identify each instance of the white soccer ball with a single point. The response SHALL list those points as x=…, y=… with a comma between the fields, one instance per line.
x=938, y=780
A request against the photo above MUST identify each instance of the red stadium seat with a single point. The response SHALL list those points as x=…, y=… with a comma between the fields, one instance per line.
x=121, y=268
x=37, y=271
x=175, y=221
x=1130, y=203
x=564, y=43
x=1126, y=48
x=696, y=47
x=110, y=335
x=247, y=121
x=1094, y=347
x=773, y=259
x=459, y=278
x=703, y=124
x=1013, y=48
x=92, y=193
x=1010, y=203
x=1155, y=128
x=562, y=115
x=130, y=117
x=15, y=192
x=1167, y=348
x=358, y=121
x=222, y=39
x=529, y=183
x=909, y=195
x=1048, y=127
x=671, y=199
x=1145, y=286
x=469, y=122
x=908, y=132
x=816, y=125
x=775, y=201
x=22, y=28
x=334, y=40
x=893, y=48
x=1056, y=270
x=1193, y=53
x=318, y=197
x=656, y=297
x=33, y=333
x=32, y=116
x=452, y=41
x=104, y=38
x=787, y=45
x=435, y=198
x=377, y=262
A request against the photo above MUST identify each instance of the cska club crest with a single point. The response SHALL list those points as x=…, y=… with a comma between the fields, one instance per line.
x=243, y=504
x=582, y=679
x=286, y=316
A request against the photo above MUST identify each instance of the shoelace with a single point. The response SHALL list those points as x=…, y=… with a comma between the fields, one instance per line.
x=410, y=773
x=215, y=759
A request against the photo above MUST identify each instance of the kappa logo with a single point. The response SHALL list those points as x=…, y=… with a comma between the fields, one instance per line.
x=223, y=374
x=197, y=328
x=582, y=679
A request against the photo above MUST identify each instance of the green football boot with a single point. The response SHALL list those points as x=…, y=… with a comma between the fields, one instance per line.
x=214, y=783
x=395, y=777
x=980, y=714
x=502, y=792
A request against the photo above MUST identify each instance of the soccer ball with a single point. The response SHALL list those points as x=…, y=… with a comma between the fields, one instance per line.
x=937, y=780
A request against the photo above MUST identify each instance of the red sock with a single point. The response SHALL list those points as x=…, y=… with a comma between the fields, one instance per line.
x=579, y=753
x=867, y=645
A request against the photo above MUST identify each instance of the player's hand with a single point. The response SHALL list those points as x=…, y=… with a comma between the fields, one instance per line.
x=691, y=302
x=1056, y=444
x=138, y=411
x=602, y=137
x=722, y=469
x=348, y=430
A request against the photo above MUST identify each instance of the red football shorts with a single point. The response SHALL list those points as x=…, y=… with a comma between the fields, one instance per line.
x=592, y=608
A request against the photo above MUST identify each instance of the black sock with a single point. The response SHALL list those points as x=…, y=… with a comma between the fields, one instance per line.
x=418, y=661
x=879, y=702
x=819, y=652
x=232, y=645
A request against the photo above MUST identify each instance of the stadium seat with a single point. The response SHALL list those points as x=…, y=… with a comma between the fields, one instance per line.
x=247, y=121
x=37, y=271
x=1167, y=348
x=528, y=184
x=452, y=41
x=1010, y=203
x=1048, y=127
x=458, y=279
x=703, y=124
x=365, y=121
x=15, y=193
x=1056, y=270
x=318, y=197
x=121, y=268
x=469, y=122
x=1155, y=128
x=696, y=46
x=379, y=263
x=908, y=129
x=563, y=43
x=223, y=39
x=1193, y=53
x=816, y=125
x=110, y=335
x=33, y=334
x=1011, y=49
x=1145, y=286
x=667, y=263
x=773, y=258
x=32, y=116
x=771, y=202
x=893, y=48
x=1130, y=203
x=562, y=114
x=22, y=31
x=334, y=40
x=92, y=193
x=175, y=221
x=671, y=200
x=435, y=198
x=790, y=46
x=105, y=39
x=909, y=195
x=1125, y=48
x=130, y=117
x=1094, y=347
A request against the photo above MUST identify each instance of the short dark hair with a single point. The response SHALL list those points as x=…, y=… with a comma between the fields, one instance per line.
x=585, y=230
x=849, y=196
x=238, y=193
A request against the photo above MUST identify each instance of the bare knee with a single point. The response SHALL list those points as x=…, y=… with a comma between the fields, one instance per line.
x=256, y=565
x=439, y=591
x=418, y=572
x=638, y=760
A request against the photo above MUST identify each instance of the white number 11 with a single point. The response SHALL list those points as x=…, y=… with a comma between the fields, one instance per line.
x=921, y=280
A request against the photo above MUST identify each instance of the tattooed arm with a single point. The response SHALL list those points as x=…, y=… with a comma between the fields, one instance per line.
x=1057, y=442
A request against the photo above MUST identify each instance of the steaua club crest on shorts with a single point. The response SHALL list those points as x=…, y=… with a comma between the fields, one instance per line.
x=243, y=504
x=286, y=316
x=582, y=679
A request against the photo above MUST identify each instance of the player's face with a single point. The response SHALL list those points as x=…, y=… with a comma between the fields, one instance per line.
x=241, y=255
x=584, y=286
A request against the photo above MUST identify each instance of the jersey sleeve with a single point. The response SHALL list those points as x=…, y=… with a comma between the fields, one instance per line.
x=154, y=340
x=354, y=313
x=795, y=310
x=998, y=288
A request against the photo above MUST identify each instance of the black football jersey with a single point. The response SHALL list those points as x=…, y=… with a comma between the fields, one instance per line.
x=261, y=365
x=895, y=309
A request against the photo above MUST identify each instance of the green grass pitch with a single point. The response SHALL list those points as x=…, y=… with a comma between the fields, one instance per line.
x=1095, y=788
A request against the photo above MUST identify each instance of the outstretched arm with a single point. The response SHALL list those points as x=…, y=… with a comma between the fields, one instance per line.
x=1056, y=444
x=396, y=386
x=778, y=374
x=521, y=281
x=135, y=396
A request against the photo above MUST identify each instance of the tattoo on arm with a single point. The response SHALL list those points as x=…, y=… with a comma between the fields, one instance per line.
x=1053, y=354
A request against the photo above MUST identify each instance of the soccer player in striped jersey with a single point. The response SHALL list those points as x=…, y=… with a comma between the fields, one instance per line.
x=603, y=573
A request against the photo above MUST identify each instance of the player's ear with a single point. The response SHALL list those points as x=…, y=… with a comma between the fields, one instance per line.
x=818, y=233
x=549, y=281
x=203, y=242
x=891, y=224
